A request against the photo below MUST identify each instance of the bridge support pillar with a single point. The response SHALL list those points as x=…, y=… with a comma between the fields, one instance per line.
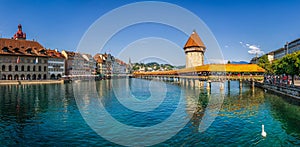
x=241, y=86
x=228, y=85
x=192, y=83
x=221, y=85
x=252, y=84
x=186, y=82
x=201, y=84
x=208, y=84
x=197, y=83
x=177, y=80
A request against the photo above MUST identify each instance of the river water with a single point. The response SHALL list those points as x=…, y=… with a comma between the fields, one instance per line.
x=136, y=112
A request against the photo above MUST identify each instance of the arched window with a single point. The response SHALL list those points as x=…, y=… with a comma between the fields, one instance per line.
x=45, y=68
x=16, y=68
x=39, y=77
x=22, y=68
x=40, y=68
x=33, y=77
x=22, y=77
x=28, y=77
x=3, y=67
x=33, y=68
x=16, y=77
x=9, y=77
x=9, y=68
x=52, y=77
x=45, y=76
x=28, y=68
x=3, y=77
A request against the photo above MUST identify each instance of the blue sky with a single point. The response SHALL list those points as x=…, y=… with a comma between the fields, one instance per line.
x=237, y=25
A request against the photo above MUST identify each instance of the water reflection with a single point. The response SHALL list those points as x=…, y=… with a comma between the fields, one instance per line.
x=288, y=113
x=35, y=115
x=29, y=113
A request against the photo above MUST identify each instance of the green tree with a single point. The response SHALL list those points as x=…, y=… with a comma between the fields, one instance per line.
x=289, y=65
x=265, y=63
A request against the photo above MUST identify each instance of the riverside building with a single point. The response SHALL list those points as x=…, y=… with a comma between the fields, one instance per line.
x=108, y=65
x=56, y=64
x=21, y=59
x=288, y=48
x=78, y=64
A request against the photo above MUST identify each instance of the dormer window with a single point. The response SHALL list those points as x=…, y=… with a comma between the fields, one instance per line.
x=16, y=49
x=29, y=51
x=42, y=51
x=5, y=49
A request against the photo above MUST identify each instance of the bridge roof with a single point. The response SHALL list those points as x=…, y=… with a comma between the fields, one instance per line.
x=239, y=68
x=225, y=67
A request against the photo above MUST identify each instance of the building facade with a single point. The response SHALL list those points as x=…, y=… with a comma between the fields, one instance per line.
x=108, y=65
x=288, y=48
x=279, y=53
x=21, y=59
x=78, y=64
x=89, y=64
x=100, y=64
x=119, y=67
x=293, y=46
x=194, y=50
x=56, y=64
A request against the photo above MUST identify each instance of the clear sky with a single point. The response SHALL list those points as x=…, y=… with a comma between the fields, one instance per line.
x=241, y=27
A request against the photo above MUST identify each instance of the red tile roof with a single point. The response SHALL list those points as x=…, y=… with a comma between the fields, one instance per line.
x=54, y=54
x=194, y=41
x=21, y=47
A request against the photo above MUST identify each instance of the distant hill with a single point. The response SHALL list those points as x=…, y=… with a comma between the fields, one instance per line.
x=180, y=67
x=239, y=62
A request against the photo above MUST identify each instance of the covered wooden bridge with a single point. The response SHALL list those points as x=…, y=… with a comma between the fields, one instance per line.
x=195, y=76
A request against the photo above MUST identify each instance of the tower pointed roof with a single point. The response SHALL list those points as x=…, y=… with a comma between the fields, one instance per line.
x=194, y=41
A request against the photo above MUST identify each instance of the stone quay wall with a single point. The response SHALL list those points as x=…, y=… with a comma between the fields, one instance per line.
x=290, y=91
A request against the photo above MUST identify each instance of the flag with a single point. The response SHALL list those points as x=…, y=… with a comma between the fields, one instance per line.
x=36, y=60
x=18, y=59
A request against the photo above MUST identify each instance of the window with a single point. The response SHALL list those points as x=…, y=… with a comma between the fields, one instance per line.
x=9, y=68
x=16, y=68
x=45, y=68
x=28, y=51
x=22, y=68
x=3, y=67
x=40, y=68
x=16, y=49
x=5, y=49
x=28, y=68
x=33, y=68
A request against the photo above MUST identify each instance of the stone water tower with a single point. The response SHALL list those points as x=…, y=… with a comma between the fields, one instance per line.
x=194, y=51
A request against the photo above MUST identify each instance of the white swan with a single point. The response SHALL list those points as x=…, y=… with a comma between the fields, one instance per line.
x=263, y=133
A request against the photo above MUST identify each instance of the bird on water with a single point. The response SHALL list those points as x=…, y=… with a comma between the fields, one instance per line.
x=263, y=133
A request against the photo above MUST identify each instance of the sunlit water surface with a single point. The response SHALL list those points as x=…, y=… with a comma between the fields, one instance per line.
x=33, y=115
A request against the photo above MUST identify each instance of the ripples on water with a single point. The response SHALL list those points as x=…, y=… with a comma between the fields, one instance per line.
x=48, y=115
